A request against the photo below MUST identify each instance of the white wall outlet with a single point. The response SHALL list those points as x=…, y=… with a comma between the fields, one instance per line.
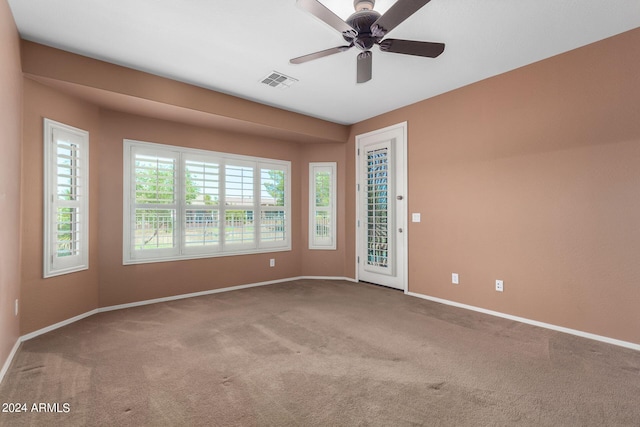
x=454, y=278
x=272, y=262
x=499, y=285
x=16, y=307
x=415, y=217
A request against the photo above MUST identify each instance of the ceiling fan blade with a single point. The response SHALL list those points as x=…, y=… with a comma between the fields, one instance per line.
x=411, y=47
x=401, y=10
x=320, y=54
x=365, y=66
x=321, y=12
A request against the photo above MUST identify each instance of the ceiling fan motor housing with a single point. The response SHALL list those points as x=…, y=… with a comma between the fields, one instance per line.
x=358, y=5
x=366, y=28
x=362, y=21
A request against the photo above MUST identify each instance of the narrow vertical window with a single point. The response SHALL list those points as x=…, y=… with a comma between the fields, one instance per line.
x=322, y=205
x=239, y=224
x=202, y=210
x=273, y=211
x=153, y=200
x=66, y=199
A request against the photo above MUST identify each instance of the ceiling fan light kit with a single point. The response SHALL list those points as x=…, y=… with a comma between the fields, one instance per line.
x=366, y=28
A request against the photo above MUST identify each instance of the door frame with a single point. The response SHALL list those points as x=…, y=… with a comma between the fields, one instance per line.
x=401, y=185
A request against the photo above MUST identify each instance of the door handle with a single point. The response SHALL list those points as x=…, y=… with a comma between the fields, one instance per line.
x=399, y=230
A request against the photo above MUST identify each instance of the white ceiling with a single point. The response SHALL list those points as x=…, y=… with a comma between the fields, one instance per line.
x=230, y=45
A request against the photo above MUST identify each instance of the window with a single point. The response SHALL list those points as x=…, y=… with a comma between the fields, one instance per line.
x=66, y=199
x=322, y=205
x=182, y=203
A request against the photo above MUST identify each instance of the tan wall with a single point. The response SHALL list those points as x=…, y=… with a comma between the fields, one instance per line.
x=533, y=177
x=52, y=300
x=123, y=284
x=10, y=136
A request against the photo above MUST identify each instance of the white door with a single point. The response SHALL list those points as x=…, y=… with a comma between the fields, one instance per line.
x=381, y=206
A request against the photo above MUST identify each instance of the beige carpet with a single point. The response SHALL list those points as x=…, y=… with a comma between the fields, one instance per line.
x=318, y=353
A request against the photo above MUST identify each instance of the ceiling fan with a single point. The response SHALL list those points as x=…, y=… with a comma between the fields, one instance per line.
x=366, y=28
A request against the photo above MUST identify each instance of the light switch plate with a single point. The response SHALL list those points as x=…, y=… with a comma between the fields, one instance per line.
x=415, y=217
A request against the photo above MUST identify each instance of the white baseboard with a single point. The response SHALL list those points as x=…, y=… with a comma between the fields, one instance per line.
x=191, y=295
x=347, y=279
x=582, y=334
x=58, y=325
x=7, y=362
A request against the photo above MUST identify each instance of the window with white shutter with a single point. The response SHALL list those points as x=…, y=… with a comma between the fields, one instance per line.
x=322, y=205
x=66, y=199
x=274, y=215
x=183, y=203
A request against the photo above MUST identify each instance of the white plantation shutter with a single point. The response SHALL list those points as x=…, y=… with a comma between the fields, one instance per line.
x=239, y=204
x=274, y=215
x=182, y=203
x=322, y=205
x=202, y=210
x=154, y=202
x=66, y=199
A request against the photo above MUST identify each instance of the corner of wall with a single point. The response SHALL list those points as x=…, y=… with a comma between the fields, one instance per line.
x=10, y=142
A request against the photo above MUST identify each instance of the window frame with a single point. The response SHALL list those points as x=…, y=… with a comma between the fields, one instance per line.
x=221, y=247
x=53, y=264
x=161, y=153
x=314, y=241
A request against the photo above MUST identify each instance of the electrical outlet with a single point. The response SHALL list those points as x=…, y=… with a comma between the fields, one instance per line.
x=454, y=278
x=272, y=262
x=499, y=285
